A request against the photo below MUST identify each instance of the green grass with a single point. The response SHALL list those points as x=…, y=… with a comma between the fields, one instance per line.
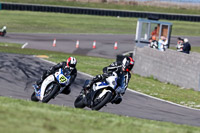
x=18, y=116
x=150, y=86
x=10, y=44
x=193, y=49
x=169, y=9
x=38, y=22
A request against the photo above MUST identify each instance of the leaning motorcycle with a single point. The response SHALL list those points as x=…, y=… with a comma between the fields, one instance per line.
x=99, y=95
x=52, y=85
x=3, y=31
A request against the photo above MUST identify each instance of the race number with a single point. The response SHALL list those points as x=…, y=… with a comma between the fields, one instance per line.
x=62, y=79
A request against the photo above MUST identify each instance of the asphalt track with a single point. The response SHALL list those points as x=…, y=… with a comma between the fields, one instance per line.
x=67, y=43
x=18, y=73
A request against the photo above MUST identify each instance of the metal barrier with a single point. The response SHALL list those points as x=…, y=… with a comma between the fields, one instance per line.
x=93, y=11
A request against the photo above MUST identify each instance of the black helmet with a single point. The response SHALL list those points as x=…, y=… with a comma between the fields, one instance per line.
x=71, y=62
x=127, y=63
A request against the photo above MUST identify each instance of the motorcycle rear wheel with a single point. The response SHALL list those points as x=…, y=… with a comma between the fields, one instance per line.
x=105, y=100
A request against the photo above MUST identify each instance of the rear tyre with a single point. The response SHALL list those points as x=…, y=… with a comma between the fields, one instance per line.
x=51, y=94
x=34, y=98
x=103, y=102
x=79, y=103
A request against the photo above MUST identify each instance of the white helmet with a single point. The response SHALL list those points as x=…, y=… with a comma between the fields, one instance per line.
x=4, y=28
x=185, y=40
x=71, y=62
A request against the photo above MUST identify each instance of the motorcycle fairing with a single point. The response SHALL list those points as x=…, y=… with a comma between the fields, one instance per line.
x=103, y=93
x=45, y=83
x=100, y=85
x=61, y=78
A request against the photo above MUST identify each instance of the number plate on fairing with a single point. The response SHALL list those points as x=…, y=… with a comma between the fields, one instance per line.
x=62, y=79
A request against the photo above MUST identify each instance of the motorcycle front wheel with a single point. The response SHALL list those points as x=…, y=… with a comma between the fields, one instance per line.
x=79, y=102
x=49, y=93
x=99, y=103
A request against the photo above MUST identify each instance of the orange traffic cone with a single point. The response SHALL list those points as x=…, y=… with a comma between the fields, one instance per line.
x=115, y=46
x=94, y=44
x=54, y=42
x=77, y=44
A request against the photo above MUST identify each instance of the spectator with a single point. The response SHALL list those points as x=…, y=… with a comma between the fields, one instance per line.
x=162, y=43
x=154, y=32
x=186, y=46
x=153, y=42
x=179, y=46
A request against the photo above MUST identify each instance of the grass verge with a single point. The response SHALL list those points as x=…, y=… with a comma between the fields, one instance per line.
x=193, y=49
x=4, y=44
x=149, y=86
x=40, y=22
x=25, y=116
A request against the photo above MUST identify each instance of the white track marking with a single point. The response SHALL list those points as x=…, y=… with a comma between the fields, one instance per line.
x=25, y=44
x=134, y=90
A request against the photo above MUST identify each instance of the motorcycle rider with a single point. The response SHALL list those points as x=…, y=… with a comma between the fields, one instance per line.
x=68, y=67
x=123, y=71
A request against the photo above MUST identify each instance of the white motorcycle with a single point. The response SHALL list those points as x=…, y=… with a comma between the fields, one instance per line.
x=3, y=31
x=99, y=95
x=52, y=85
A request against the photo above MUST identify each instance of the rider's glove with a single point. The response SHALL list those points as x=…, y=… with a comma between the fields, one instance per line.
x=50, y=71
x=106, y=75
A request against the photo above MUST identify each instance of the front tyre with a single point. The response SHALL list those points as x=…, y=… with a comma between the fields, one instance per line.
x=50, y=92
x=79, y=103
x=103, y=101
x=34, y=98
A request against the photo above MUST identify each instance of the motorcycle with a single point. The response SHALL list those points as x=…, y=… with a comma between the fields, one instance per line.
x=99, y=95
x=52, y=85
x=3, y=31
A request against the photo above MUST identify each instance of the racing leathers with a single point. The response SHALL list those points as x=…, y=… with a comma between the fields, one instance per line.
x=123, y=79
x=72, y=71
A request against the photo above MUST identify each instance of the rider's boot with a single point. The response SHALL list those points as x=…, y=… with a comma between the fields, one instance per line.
x=67, y=90
x=117, y=99
x=36, y=87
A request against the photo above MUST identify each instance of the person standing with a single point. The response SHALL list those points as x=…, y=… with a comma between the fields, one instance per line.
x=186, y=46
x=179, y=46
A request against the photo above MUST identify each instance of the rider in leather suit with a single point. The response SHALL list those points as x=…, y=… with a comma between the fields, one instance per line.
x=68, y=67
x=123, y=71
